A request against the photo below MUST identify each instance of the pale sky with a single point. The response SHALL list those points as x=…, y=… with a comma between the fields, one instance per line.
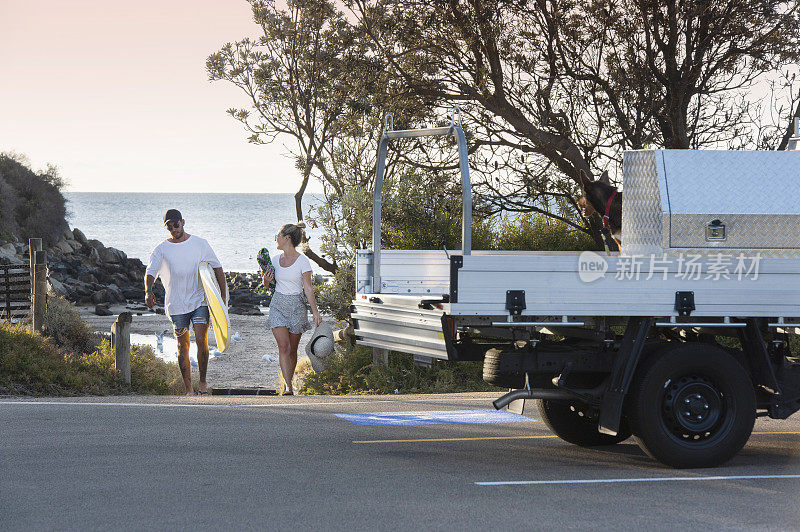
x=116, y=95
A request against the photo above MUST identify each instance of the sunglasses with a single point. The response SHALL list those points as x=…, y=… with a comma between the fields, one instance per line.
x=173, y=225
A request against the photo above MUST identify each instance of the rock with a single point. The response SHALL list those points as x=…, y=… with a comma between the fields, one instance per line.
x=58, y=287
x=245, y=311
x=120, y=279
x=96, y=244
x=108, y=295
x=111, y=255
x=64, y=247
x=94, y=256
x=103, y=310
x=67, y=233
x=79, y=236
x=87, y=277
x=8, y=255
x=159, y=310
x=134, y=294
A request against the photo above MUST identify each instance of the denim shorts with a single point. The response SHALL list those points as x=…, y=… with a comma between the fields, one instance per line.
x=198, y=316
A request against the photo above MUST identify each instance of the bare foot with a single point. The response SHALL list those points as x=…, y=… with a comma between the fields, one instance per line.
x=202, y=389
x=190, y=392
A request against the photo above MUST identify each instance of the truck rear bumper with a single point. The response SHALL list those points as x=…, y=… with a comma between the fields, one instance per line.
x=408, y=324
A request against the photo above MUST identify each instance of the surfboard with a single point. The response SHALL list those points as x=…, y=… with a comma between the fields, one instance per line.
x=217, y=307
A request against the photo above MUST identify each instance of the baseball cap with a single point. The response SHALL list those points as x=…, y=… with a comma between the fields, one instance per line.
x=172, y=215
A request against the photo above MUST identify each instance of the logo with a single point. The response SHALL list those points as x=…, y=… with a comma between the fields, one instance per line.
x=591, y=266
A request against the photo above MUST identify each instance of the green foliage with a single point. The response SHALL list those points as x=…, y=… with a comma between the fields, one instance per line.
x=33, y=365
x=31, y=204
x=533, y=231
x=63, y=323
x=352, y=372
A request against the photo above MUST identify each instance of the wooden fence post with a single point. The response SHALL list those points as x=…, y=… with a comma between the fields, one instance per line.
x=121, y=342
x=39, y=302
x=34, y=245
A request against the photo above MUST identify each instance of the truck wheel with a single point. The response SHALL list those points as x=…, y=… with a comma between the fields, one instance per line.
x=569, y=422
x=504, y=379
x=692, y=406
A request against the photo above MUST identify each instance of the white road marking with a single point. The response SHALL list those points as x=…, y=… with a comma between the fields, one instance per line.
x=240, y=405
x=77, y=403
x=623, y=480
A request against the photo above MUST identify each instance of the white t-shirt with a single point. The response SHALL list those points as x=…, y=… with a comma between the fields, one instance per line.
x=290, y=280
x=178, y=263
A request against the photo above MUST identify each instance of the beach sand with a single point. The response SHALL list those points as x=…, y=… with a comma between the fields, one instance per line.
x=241, y=367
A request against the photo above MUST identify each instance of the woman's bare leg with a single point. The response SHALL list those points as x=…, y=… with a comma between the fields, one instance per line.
x=282, y=338
x=294, y=340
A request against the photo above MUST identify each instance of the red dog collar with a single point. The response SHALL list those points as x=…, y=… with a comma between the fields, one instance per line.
x=608, y=210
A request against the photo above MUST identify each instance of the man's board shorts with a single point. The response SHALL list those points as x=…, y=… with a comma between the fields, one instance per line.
x=198, y=316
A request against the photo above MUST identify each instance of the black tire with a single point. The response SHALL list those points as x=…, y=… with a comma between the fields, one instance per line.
x=570, y=423
x=692, y=405
x=503, y=379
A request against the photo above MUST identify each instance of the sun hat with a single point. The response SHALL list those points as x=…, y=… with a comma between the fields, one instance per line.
x=320, y=348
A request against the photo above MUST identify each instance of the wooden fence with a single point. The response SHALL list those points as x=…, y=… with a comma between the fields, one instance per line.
x=15, y=291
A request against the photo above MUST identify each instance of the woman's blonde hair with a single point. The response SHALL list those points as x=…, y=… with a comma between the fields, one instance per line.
x=294, y=232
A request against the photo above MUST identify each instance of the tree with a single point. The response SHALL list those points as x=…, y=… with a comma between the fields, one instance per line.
x=296, y=76
x=557, y=87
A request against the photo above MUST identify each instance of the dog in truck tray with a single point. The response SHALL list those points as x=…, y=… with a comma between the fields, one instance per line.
x=600, y=197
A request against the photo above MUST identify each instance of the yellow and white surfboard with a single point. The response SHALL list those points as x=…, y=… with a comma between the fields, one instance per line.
x=217, y=306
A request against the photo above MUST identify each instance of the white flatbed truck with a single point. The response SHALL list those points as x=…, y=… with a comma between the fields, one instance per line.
x=680, y=340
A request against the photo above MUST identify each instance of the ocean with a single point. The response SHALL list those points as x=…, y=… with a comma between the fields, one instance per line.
x=236, y=225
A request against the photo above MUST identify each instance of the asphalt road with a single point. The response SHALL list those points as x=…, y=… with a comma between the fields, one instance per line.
x=272, y=463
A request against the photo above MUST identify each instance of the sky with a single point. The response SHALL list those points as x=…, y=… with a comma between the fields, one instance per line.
x=115, y=94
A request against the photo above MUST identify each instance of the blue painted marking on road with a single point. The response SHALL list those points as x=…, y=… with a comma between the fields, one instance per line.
x=435, y=417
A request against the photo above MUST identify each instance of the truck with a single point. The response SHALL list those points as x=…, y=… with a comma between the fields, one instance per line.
x=681, y=339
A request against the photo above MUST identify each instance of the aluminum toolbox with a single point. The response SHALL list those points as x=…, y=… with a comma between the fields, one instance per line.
x=710, y=202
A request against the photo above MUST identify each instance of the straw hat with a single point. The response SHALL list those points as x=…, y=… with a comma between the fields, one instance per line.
x=320, y=348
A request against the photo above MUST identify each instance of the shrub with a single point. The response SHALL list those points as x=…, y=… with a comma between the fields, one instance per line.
x=537, y=232
x=39, y=208
x=33, y=365
x=63, y=323
x=351, y=372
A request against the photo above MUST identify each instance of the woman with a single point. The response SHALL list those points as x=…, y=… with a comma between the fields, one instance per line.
x=288, y=317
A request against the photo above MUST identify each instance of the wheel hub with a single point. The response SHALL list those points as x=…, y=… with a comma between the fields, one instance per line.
x=692, y=407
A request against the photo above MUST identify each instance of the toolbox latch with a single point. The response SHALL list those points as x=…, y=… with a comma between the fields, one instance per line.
x=715, y=231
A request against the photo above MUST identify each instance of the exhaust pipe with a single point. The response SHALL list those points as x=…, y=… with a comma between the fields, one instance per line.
x=555, y=395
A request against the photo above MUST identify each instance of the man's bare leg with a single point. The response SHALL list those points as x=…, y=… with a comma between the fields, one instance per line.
x=182, y=336
x=201, y=339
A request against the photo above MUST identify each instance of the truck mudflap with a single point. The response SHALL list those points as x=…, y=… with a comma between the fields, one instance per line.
x=407, y=324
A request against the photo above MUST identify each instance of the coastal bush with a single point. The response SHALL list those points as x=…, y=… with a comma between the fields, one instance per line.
x=8, y=205
x=33, y=365
x=63, y=323
x=538, y=232
x=36, y=206
x=351, y=372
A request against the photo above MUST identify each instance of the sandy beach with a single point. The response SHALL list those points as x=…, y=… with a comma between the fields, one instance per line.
x=242, y=365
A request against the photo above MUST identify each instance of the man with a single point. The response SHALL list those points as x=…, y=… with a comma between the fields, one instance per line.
x=177, y=261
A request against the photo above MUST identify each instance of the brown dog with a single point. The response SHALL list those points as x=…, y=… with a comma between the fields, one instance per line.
x=601, y=198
